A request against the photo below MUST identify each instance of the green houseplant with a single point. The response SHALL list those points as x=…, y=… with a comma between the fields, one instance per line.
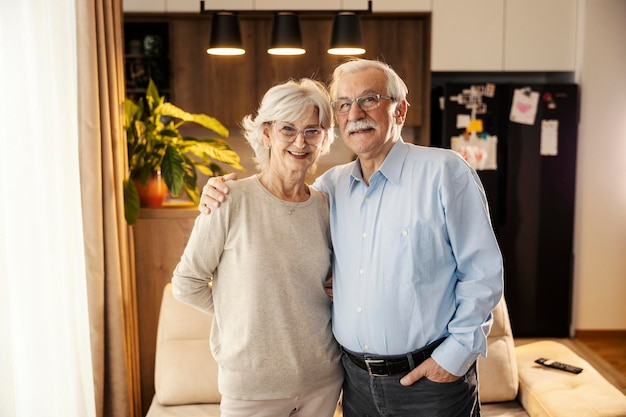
x=155, y=145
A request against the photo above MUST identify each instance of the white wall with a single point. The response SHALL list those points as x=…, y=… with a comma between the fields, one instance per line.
x=600, y=218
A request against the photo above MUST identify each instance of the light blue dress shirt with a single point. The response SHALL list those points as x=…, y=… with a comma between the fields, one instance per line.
x=415, y=256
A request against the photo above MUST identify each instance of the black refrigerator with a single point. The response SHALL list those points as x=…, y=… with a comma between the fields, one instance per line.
x=529, y=180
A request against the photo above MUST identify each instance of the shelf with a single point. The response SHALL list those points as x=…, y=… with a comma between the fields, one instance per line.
x=146, y=46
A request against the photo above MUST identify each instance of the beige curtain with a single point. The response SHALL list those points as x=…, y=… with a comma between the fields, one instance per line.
x=110, y=269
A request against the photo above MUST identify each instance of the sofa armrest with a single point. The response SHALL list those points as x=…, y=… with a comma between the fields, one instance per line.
x=546, y=392
x=185, y=371
x=497, y=373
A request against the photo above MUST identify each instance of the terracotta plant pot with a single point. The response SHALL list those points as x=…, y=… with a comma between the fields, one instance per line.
x=154, y=192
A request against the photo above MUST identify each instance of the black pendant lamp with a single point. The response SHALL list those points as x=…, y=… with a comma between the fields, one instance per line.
x=225, y=35
x=286, y=35
x=346, y=35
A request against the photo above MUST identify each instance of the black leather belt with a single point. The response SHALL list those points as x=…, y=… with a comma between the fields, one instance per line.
x=391, y=365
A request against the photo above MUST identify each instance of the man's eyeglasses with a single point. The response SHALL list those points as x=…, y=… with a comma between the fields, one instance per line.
x=366, y=103
x=288, y=133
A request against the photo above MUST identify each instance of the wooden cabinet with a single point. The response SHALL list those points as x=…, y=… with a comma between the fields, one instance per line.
x=160, y=237
x=221, y=86
x=504, y=35
x=403, y=41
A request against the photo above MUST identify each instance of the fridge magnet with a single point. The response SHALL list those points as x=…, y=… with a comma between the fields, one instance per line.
x=490, y=90
x=549, y=138
x=472, y=98
x=524, y=106
x=481, y=108
x=549, y=100
x=475, y=125
x=478, y=150
x=477, y=90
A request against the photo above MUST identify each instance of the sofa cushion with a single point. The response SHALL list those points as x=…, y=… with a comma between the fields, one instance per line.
x=190, y=410
x=503, y=409
x=184, y=371
x=497, y=373
x=546, y=392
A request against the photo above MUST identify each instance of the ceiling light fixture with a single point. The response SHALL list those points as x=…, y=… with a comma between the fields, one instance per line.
x=286, y=36
x=225, y=35
x=346, y=35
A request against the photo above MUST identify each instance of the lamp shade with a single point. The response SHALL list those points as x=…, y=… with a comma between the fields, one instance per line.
x=286, y=35
x=225, y=35
x=346, y=35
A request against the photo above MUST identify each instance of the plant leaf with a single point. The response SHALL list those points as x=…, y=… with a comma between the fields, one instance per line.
x=168, y=109
x=217, y=149
x=152, y=96
x=211, y=169
x=173, y=170
x=194, y=194
x=131, y=202
x=132, y=112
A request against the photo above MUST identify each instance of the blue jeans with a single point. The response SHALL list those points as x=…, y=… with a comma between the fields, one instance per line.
x=383, y=396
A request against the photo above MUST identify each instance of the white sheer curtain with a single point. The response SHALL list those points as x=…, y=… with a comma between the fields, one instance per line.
x=45, y=356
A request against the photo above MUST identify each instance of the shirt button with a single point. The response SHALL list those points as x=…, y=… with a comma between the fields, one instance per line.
x=367, y=199
x=361, y=271
x=359, y=309
x=366, y=347
x=364, y=235
x=405, y=233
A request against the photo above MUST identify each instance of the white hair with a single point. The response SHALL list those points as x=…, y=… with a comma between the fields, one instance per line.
x=288, y=101
x=396, y=87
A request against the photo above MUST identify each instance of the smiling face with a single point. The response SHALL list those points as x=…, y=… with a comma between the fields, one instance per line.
x=369, y=134
x=292, y=159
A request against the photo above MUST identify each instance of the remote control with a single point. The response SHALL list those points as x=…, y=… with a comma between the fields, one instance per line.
x=559, y=365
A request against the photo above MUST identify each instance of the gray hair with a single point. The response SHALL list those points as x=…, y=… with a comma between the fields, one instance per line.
x=396, y=87
x=288, y=101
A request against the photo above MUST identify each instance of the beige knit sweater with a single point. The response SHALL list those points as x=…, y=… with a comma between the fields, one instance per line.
x=268, y=260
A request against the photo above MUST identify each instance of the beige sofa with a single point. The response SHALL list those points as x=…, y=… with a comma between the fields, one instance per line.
x=511, y=383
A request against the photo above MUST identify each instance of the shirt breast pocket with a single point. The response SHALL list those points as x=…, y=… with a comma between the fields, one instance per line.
x=409, y=253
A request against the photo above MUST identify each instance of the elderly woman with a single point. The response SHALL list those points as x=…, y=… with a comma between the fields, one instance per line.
x=259, y=265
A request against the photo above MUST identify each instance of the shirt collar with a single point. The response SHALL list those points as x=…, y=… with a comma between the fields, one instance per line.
x=391, y=167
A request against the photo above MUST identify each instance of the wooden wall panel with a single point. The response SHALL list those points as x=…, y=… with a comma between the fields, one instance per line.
x=222, y=87
x=228, y=88
x=402, y=43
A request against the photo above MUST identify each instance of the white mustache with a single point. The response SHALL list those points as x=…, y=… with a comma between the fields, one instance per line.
x=359, y=125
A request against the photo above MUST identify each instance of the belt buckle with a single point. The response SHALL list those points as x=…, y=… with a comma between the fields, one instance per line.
x=370, y=362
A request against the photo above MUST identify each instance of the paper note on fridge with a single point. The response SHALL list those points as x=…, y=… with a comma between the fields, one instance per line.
x=462, y=121
x=479, y=152
x=524, y=106
x=549, y=137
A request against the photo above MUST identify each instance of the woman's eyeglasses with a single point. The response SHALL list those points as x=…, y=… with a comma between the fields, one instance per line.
x=288, y=133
